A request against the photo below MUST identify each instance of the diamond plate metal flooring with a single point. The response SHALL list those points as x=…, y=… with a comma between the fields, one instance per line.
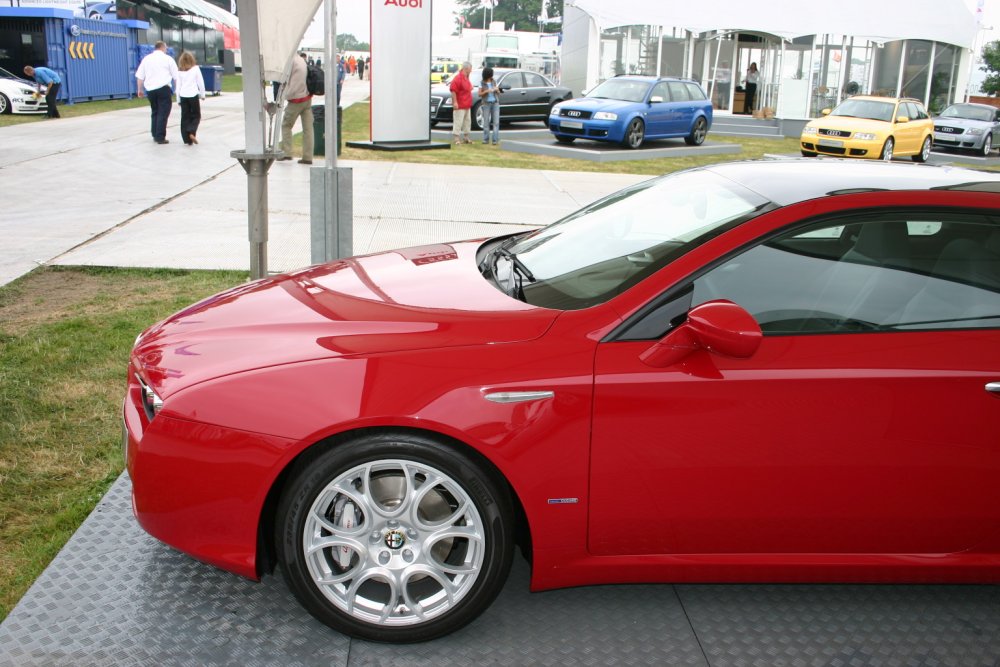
x=115, y=596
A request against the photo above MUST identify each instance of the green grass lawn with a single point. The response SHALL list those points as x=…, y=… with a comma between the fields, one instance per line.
x=65, y=336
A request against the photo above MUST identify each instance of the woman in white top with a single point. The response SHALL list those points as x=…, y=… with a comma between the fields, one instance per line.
x=190, y=90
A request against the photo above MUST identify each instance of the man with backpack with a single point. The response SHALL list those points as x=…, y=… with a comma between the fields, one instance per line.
x=299, y=106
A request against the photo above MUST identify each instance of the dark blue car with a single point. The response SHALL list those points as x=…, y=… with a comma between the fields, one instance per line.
x=630, y=109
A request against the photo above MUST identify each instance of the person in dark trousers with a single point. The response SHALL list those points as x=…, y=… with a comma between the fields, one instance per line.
x=361, y=68
x=43, y=76
x=156, y=73
x=751, y=81
x=190, y=92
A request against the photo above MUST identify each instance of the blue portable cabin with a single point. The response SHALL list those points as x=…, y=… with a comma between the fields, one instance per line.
x=95, y=59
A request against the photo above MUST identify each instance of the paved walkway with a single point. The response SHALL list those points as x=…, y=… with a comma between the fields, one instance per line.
x=96, y=190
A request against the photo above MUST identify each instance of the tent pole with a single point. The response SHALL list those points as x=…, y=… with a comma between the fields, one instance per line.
x=255, y=159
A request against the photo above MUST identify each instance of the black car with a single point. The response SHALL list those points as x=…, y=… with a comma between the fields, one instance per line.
x=524, y=95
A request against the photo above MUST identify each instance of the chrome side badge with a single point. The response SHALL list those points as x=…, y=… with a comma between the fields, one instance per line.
x=563, y=501
x=518, y=396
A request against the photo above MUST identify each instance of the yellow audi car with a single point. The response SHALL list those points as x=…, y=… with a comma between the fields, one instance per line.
x=874, y=128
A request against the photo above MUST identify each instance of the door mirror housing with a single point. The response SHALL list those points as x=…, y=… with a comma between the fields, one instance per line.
x=902, y=119
x=825, y=112
x=720, y=327
x=655, y=99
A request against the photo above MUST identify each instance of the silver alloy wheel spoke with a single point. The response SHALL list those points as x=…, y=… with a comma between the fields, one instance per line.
x=394, y=542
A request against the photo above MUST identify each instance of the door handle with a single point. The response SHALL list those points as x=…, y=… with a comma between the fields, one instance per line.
x=993, y=387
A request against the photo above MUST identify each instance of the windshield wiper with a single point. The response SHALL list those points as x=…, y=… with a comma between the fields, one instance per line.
x=516, y=263
x=519, y=271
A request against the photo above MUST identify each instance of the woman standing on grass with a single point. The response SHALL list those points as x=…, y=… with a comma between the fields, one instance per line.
x=190, y=92
x=489, y=93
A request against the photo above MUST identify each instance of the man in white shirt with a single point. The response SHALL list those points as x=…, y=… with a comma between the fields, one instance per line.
x=156, y=73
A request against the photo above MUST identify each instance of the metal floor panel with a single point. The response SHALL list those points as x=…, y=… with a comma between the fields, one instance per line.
x=115, y=596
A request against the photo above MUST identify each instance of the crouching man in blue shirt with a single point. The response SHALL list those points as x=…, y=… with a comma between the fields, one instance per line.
x=46, y=77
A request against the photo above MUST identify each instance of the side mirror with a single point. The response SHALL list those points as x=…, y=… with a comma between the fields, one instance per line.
x=655, y=99
x=825, y=112
x=720, y=327
x=902, y=119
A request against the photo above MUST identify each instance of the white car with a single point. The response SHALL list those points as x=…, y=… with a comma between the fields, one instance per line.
x=18, y=95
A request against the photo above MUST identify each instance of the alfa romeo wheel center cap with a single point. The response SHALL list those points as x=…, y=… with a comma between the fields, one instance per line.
x=395, y=539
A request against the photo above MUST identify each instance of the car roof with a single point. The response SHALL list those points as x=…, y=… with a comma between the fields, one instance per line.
x=789, y=181
x=649, y=79
x=880, y=98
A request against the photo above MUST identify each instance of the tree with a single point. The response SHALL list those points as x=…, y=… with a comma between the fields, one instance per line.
x=348, y=42
x=991, y=65
x=515, y=14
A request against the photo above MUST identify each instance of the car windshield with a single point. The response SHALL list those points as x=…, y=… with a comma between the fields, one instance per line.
x=871, y=109
x=4, y=74
x=600, y=251
x=621, y=89
x=969, y=112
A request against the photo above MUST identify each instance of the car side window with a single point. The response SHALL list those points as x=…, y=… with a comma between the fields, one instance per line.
x=891, y=273
x=911, y=111
x=513, y=80
x=660, y=90
x=678, y=91
x=532, y=80
x=694, y=91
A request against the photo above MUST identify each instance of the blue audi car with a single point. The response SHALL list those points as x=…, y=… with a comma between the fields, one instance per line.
x=631, y=109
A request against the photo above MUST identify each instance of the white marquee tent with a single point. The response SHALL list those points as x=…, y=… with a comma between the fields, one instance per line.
x=948, y=21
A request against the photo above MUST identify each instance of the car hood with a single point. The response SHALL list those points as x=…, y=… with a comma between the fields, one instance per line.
x=415, y=298
x=600, y=104
x=16, y=85
x=441, y=90
x=963, y=122
x=848, y=124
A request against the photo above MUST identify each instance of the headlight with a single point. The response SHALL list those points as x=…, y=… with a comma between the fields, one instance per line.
x=447, y=101
x=605, y=115
x=808, y=130
x=555, y=110
x=864, y=136
x=27, y=91
x=151, y=402
x=974, y=131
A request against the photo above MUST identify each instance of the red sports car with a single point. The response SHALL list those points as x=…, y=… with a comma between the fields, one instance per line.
x=776, y=371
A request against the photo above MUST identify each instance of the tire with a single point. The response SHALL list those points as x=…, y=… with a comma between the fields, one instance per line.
x=698, y=133
x=987, y=145
x=477, y=117
x=887, y=150
x=634, y=134
x=565, y=140
x=385, y=519
x=808, y=153
x=5, y=107
x=925, y=151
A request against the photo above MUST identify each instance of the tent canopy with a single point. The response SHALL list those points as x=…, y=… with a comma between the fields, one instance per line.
x=948, y=21
x=283, y=23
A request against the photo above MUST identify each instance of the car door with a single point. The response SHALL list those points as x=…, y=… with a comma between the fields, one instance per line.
x=659, y=112
x=513, y=96
x=863, y=424
x=908, y=134
x=683, y=108
x=538, y=95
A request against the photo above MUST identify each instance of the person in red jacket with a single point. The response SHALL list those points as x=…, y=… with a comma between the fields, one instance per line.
x=461, y=105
